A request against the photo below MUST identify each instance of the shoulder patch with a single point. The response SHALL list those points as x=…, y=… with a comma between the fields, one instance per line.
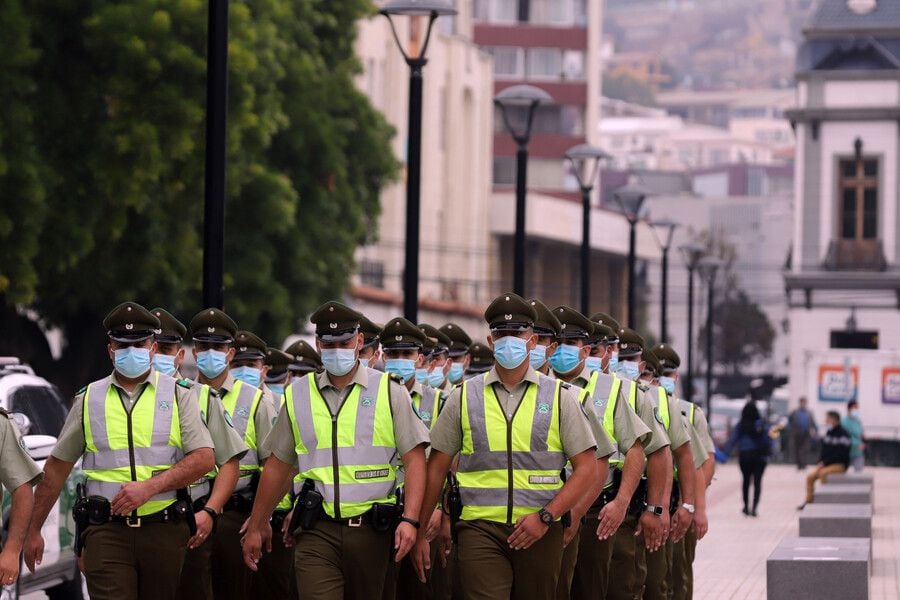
x=82, y=390
x=185, y=383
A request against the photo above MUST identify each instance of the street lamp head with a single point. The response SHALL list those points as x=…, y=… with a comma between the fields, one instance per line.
x=522, y=95
x=631, y=198
x=418, y=8
x=708, y=267
x=692, y=253
x=586, y=156
x=663, y=230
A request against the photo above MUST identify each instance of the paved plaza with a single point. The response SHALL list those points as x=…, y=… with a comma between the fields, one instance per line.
x=731, y=560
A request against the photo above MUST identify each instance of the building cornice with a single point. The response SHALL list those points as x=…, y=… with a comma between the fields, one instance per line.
x=876, y=113
x=849, y=75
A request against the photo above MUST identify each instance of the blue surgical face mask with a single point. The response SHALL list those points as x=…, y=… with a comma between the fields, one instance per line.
x=164, y=363
x=566, y=358
x=422, y=376
x=339, y=361
x=249, y=375
x=277, y=388
x=436, y=377
x=211, y=363
x=628, y=369
x=668, y=384
x=593, y=363
x=510, y=351
x=538, y=357
x=364, y=362
x=132, y=362
x=404, y=368
x=456, y=373
x=613, y=365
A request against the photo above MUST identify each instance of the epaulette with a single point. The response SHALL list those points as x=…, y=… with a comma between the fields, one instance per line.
x=3, y=412
x=565, y=385
x=185, y=383
x=82, y=390
x=395, y=377
x=643, y=386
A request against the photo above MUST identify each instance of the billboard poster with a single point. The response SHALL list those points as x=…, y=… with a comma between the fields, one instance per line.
x=838, y=383
x=890, y=385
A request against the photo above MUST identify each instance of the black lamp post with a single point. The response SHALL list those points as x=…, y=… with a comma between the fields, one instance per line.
x=518, y=103
x=663, y=230
x=214, y=185
x=708, y=268
x=692, y=253
x=414, y=8
x=631, y=198
x=586, y=159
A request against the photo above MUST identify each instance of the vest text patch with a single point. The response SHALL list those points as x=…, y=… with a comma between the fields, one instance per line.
x=372, y=474
x=547, y=479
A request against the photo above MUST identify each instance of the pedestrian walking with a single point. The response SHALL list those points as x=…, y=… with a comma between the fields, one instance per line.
x=751, y=438
x=803, y=430
x=834, y=457
x=142, y=442
x=853, y=424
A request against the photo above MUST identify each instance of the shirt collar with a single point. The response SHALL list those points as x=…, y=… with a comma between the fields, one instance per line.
x=583, y=377
x=361, y=377
x=531, y=376
x=114, y=378
x=416, y=389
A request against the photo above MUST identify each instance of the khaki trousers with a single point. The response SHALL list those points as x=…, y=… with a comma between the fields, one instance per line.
x=628, y=568
x=821, y=474
x=659, y=564
x=231, y=578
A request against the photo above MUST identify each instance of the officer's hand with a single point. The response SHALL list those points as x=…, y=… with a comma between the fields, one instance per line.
x=434, y=525
x=445, y=540
x=286, y=537
x=653, y=529
x=204, y=528
x=404, y=539
x=251, y=546
x=701, y=524
x=680, y=524
x=421, y=558
x=131, y=496
x=34, y=548
x=529, y=529
x=9, y=566
x=571, y=531
x=611, y=517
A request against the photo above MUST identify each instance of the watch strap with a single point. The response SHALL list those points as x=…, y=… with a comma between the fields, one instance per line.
x=412, y=522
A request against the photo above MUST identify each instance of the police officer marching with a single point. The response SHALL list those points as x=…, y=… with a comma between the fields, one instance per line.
x=514, y=430
x=370, y=353
x=306, y=360
x=458, y=353
x=143, y=443
x=18, y=473
x=547, y=329
x=341, y=429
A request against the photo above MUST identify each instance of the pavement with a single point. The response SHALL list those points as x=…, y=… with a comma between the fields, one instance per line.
x=731, y=559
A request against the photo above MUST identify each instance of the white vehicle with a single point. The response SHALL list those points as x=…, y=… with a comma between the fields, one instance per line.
x=40, y=411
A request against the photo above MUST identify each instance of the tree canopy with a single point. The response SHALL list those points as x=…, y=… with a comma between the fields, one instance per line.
x=102, y=128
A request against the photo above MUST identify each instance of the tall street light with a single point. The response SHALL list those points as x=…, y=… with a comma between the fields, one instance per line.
x=663, y=230
x=414, y=8
x=518, y=104
x=630, y=198
x=708, y=268
x=692, y=253
x=214, y=185
x=586, y=159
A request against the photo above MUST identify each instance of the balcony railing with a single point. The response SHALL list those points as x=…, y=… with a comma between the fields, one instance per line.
x=855, y=255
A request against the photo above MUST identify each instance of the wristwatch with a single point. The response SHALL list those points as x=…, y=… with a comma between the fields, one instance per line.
x=689, y=507
x=412, y=522
x=655, y=510
x=546, y=516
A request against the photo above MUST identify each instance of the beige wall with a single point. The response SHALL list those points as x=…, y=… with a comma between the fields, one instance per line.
x=456, y=249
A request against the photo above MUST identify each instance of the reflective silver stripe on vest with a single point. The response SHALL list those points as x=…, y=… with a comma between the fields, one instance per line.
x=159, y=453
x=483, y=458
x=363, y=453
x=240, y=420
x=109, y=489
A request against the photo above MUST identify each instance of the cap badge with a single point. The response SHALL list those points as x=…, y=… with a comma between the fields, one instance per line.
x=210, y=329
x=563, y=326
x=243, y=348
x=507, y=317
x=212, y=312
x=330, y=309
x=129, y=326
x=399, y=338
x=333, y=325
x=157, y=331
x=128, y=308
x=507, y=299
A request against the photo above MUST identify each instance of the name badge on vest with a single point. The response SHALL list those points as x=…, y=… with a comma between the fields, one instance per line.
x=543, y=479
x=372, y=474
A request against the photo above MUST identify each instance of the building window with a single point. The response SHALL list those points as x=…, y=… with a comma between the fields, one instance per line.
x=504, y=170
x=509, y=61
x=371, y=272
x=858, y=196
x=497, y=11
x=544, y=63
x=551, y=12
x=573, y=65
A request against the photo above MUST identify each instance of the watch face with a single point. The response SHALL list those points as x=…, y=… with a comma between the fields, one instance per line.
x=546, y=517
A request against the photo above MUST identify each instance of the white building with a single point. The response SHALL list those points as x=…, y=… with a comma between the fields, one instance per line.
x=843, y=282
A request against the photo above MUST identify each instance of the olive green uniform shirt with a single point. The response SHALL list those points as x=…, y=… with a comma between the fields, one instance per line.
x=700, y=429
x=679, y=428
x=575, y=428
x=194, y=434
x=627, y=426
x=644, y=407
x=409, y=431
x=265, y=415
x=16, y=466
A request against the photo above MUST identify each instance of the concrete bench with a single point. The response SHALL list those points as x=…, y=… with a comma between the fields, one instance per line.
x=851, y=477
x=844, y=493
x=836, y=520
x=820, y=568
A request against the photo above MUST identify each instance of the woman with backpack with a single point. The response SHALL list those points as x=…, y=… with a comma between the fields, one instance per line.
x=751, y=436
